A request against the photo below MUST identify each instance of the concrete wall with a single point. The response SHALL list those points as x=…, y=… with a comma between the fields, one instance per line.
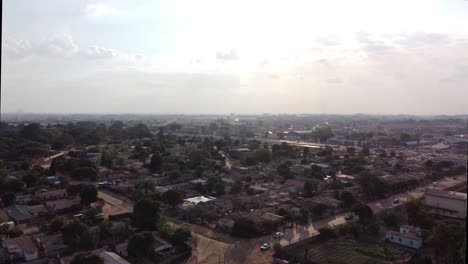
x=404, y=241
x=445, y=203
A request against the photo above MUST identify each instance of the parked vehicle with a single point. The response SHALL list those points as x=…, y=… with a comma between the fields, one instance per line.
x=265, y=246
x=349, y=217
x=278, y=235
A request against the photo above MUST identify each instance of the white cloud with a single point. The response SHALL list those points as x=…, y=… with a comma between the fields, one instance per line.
x=98, y=10
x=97, y=52
x=15, y=49
x=226, y=56
x=62, y=46
x=58, y=45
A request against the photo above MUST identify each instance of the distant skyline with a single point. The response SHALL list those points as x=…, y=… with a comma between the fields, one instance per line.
x=243, y=57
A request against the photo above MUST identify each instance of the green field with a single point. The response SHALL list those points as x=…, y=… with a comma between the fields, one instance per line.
x=348, y=251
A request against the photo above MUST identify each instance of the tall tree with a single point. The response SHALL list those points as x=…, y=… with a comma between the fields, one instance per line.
x=418, y=214
x=180, y=238
x=147, y=185
x=86, y=258
x=76, y=235
x=88, y=194
x=348, y=199
x=107, y=159
x=9, y=198
x=284, y=171
x=364, y=213
x=146, y=214
x=310, y=188
x=173, y=197
x=140, y=245
x=156, y=162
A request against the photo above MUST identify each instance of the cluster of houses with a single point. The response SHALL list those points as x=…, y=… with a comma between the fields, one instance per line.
x=23, y=214
x=443, y=203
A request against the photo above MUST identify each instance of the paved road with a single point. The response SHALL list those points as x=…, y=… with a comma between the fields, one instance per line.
x=266, y=140
x=114, y=205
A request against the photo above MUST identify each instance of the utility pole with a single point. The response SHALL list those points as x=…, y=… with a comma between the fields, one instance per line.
x=1, y=41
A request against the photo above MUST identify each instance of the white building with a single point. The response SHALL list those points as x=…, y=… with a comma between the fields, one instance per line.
x=446, y=203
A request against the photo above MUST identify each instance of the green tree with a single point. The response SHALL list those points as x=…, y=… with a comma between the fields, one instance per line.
x=180, y=238
x=88, y=194
x=146, y=214
x=32, y=132
x=244, y=227
x=82, y=173
x=30, y=179
x=86, y=258
x=392, y=219
x=15, y=232
x=140, y=245
x=9, y=198
x=284, y=171
x=3, y=175
x=174, y=175
x=348, y=199
x=305, y=152
x=322, y=134
x=418, y=214
x=156, y=162
x=316, y=172
x=219, y=188
x=87, y=241
x=76, y=235
x=364, y=213
x=310, y=188
x=57, y=224
x=107, y=159
x=147, y=185
x=173, y=197
x=304, y=215
x=326, y=233
x=372, y=185
x=13, y=185
x=448, y=241
x=365, y=151
x=319, y=209
x=105, y=230
x=262, y=155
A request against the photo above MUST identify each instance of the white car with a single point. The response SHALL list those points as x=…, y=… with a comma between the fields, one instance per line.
x=278, y=234
x=265, y=246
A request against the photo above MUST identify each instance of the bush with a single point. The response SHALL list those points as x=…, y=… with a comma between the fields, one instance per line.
x=244, y=227
x=326, y=233
x=141, y=244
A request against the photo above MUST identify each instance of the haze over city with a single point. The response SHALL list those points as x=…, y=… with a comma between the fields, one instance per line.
x=193, y=57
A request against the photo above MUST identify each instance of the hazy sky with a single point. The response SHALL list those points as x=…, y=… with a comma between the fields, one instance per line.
x=360, y=56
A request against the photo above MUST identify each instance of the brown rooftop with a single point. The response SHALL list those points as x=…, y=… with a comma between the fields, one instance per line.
x=409, y=235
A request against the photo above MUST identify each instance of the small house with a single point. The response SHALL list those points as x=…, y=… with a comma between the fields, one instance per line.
x=408, y=236
x=19, y=213
x=21, y=248
x=47, y=195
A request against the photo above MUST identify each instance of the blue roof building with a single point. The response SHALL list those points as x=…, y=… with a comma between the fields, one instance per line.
x=19, y=213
